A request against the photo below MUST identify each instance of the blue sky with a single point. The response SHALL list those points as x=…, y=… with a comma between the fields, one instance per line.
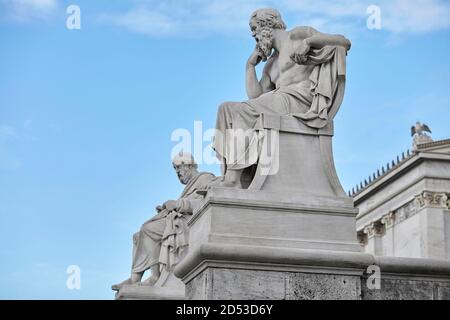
x=86, y=116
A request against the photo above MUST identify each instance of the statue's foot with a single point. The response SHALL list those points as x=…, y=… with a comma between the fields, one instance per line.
x=230, y=184
x=150, y=281
x=116, y=287
x=232, y=179
x=215, y=183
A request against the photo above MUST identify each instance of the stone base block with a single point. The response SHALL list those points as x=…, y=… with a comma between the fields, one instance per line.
x=238, y=284
x=401, y=288
x=261, y=218
x=136, y=292
x=248, y=272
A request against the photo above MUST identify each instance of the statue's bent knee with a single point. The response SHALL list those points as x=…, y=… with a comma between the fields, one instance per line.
x=135, y=237
x=225, y=106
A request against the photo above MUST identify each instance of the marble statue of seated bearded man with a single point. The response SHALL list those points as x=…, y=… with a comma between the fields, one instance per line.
x=299, y=79
x=162, y=240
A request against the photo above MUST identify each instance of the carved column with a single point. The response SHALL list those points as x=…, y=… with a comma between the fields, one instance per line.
x=388, y=238
x=374, y=233
x=431, y=207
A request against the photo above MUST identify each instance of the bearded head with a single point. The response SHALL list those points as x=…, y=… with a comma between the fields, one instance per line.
x=262, y=24
x=185, y=166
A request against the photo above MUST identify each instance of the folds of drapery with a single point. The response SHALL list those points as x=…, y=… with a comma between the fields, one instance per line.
x=330, y=65
x=162, y=239
x=147, y=243
x=174, y=240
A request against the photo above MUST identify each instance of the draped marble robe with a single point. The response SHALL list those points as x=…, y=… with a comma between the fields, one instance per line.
x=237, y=143
x=162, y=239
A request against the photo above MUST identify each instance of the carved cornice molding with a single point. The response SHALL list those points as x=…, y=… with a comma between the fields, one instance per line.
x=375, y=228
x=388, y=220
x=362, y=237
x=425, y=199
x=432, y=199
x=406, y=211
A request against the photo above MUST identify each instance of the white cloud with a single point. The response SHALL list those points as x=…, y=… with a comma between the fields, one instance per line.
x=142, y=20
x=206, y=17
x=188, y=18
x=8, y=132
x=418, y=16
x=27, y=10
x=337, y=8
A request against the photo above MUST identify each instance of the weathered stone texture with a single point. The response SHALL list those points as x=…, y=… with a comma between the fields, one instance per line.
x=404, y=289
x=304, y=286
x=258, y=284
x=240, y=284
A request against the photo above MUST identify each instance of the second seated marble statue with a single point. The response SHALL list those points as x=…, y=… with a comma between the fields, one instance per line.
x=162, y=241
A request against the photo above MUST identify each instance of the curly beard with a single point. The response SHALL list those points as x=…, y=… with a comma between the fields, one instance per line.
x=184, y=176
x=264, y=42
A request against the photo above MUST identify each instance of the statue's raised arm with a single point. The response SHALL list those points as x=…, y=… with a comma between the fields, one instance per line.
x=307, y=38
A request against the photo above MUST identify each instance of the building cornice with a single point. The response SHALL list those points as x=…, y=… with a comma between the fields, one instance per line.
x=379, y=225
x=433, y=144
x=397, y=172
x=397, y=167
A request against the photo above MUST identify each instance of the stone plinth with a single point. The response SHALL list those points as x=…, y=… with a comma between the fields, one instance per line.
x=261, y=218
x=142, y=292
x=249, y=272
x=262, y=245
x=257, y=245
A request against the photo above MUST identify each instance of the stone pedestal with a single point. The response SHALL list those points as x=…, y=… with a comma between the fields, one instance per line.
x=263, y=245
x=250, y=272
x=228, y=272
x=261, y=218
x=137, y=292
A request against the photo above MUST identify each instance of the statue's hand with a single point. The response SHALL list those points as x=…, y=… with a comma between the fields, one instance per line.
x=255, y=58
x=171, y=205
x=300, y=54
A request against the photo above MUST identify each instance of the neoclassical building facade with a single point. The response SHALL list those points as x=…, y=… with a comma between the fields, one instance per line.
x=404, y=208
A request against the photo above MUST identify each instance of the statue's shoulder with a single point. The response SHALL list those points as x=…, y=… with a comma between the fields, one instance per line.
x=205, y=177
x=203, y=173
x=302, y=32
